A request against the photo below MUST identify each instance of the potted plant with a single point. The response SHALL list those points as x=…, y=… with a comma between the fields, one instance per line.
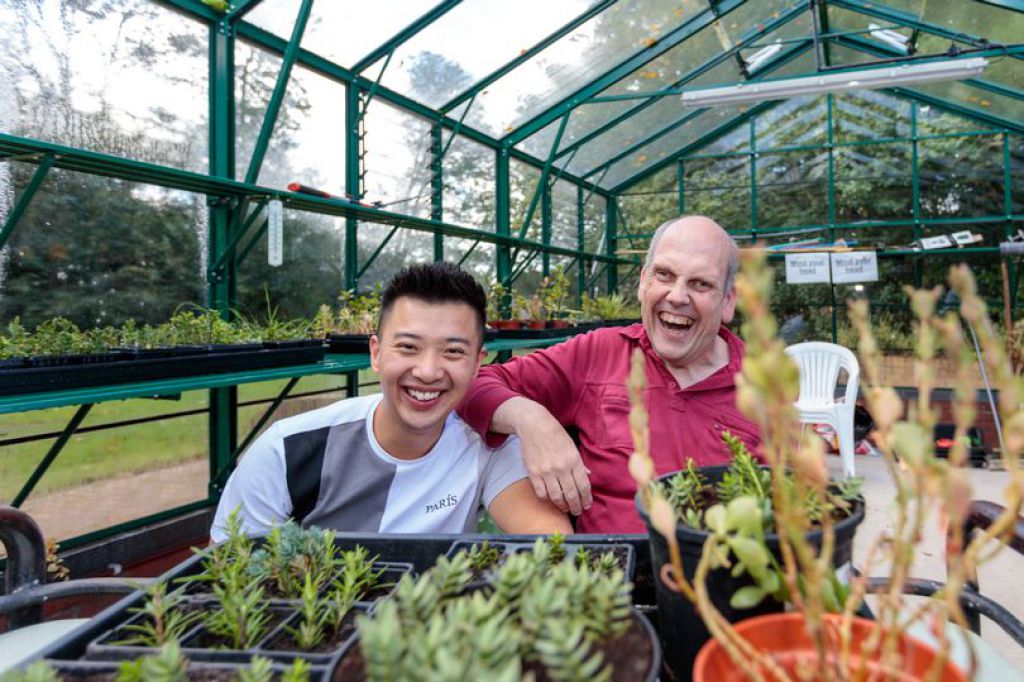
x=554, y=294
x=355, y=322
x=497, y=304
x=836, y=645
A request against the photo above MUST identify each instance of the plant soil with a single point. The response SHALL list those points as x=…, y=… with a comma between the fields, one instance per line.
x=283, y=640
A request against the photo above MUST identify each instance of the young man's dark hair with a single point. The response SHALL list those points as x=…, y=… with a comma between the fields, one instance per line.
x=435, y=283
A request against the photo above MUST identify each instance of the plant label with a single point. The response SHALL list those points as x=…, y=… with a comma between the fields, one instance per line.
x=807, y=268
x=855, y=266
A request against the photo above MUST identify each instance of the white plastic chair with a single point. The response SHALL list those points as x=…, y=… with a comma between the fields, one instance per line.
x=820, y=364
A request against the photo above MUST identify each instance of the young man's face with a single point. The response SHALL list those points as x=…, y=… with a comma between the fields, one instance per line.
x=426, y=355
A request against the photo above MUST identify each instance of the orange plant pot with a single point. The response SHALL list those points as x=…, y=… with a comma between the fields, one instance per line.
x=784, y=638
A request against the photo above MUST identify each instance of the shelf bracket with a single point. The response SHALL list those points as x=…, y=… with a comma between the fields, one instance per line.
x=50, y=456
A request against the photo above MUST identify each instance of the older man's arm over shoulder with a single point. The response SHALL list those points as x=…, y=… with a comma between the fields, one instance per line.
x=533, y=396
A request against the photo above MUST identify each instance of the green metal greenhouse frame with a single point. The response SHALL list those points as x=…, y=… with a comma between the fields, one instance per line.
x=236, y=200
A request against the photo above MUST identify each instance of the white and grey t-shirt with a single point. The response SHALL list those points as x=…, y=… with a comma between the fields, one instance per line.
x=325, y=468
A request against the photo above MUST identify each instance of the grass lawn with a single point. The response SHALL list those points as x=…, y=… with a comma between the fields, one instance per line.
x=102, y=454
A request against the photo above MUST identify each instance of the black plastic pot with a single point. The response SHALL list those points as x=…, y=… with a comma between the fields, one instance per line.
x=681, y=628
x=349, y=344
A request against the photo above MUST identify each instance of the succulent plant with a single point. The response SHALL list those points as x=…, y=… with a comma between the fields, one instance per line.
x=168, y=665
x=241, y=616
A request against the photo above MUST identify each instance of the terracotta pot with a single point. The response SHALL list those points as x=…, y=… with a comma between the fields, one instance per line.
x=504, y=324
x=535, y=324
x=558, y=324
x=784, y=637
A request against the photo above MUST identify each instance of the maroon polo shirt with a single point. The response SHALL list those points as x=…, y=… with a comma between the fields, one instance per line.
x=582, y=382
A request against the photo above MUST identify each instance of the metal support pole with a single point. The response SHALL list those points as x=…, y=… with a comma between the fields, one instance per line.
x=437, y=185
x=353, y=182
x=832, y=205
x=581, y=238
x=916, y=189
x=502, y=218
x=545, y=228
x=611, y=243
x=223, y=401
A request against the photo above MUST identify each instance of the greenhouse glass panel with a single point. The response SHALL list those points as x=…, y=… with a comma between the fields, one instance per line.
x=995, y=24
x=720, y=188
x=792, y=188
x=961, y=176
x=577, y=59
x=1008, y=71
x=869, y=115
x=874, y=182
x=658, y=150
x=709, y=67
x=479, y=262
x=311, y=273
x=594, y=218
x=469, y=184
x=631, y=130
x=735, y=141
x=454, y=58
x=343, y=32
x=669, y=70
x=308, y=142
x=104, y=250
x=522, y=186
x=1010, y=109
x=563, y=215
x=795, y=122
x=397, y=157
x=127, y=79
x=134, y=470
x=405, y=247
x=650, y=203
x=938, y=121
x=1016, y=174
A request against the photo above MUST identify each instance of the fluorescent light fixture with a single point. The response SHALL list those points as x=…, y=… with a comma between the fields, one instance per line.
x=862, y=79
x=889, y=37
x=756, y=60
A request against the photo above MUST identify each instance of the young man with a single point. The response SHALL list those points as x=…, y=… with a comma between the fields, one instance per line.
x=686, y=297
x=400, y=461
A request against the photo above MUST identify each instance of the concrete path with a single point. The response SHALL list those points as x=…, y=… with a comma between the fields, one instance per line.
x=999, y=579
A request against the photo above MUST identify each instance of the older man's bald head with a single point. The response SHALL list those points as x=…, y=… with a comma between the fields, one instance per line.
x=703, y=228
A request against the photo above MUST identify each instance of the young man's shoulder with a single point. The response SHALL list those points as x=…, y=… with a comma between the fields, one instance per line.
x=335, y=414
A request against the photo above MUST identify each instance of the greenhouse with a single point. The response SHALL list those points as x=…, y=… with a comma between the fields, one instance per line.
x=204, y=205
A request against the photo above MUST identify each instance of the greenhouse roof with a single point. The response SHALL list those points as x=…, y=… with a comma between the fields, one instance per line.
x=590, y=87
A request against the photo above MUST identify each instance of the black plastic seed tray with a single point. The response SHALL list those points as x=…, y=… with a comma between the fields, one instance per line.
x=134, y=365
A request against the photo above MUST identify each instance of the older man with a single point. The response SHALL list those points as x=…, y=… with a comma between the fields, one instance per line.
x=686, y=296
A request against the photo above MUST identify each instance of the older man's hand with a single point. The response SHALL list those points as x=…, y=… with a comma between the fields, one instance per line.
x=551, y=458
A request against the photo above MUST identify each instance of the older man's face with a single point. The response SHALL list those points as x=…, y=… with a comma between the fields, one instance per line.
x=683, y=300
